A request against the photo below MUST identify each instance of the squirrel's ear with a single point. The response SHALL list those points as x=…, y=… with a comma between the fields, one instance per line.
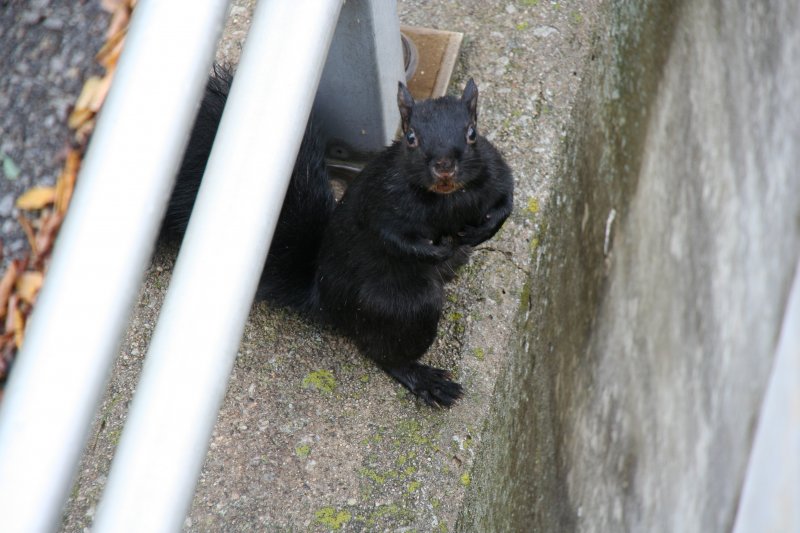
x=470, y=98
x=404, y=103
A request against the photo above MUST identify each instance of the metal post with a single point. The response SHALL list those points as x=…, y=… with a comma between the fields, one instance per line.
x=187, y=367
x=100, y=257
x=770, y=499
x=357, y=100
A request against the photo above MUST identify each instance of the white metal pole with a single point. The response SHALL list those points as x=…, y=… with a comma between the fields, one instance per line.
x=770, y=500
x=100, y=256
x=164, y=442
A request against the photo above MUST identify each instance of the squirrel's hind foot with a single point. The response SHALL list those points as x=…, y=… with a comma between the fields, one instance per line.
x=431, y=385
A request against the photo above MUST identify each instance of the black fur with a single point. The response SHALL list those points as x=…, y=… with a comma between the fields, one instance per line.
x=375, y=265
x=196, y=156
x=393, y=241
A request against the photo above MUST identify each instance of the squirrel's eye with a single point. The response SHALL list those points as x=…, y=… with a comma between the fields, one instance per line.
x=411, y=138
x=471, y=134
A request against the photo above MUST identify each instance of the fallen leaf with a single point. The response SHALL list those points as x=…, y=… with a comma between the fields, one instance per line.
x=47, y=235
x=27, y=227
x=19, y=327
x=7, y=350
x=10, y=169
x=12, y=305
x=112, y=5
x=83, y=132
x=28, y=286
x=6, y=284
x=87, y=93
x=66, y=181
x=36, y=198
x=102, y=91
x=79, y=117
x=119, y=19
x=109, y=53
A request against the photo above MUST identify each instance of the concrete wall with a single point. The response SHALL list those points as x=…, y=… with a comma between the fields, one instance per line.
x=661, y=279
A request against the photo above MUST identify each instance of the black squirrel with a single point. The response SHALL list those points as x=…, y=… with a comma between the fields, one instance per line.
x=375, y=264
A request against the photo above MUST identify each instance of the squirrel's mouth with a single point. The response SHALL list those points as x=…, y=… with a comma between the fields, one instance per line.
x=445, y=186
x=445, y=182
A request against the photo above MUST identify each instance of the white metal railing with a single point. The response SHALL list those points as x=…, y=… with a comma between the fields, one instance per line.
x=107, y=240
x=202, y=319
x=770, y=498
x=101, y=255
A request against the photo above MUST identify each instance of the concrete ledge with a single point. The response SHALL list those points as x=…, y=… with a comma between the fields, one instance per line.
x=615, y=340
x=311, y=436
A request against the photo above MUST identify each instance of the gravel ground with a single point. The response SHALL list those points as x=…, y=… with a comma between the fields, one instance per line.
x=47, y=53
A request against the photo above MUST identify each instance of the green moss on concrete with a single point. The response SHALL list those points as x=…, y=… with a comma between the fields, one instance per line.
x=378, y=477
x=533, y=207
x=403, y=458
x=331, y=518
x=322, y=380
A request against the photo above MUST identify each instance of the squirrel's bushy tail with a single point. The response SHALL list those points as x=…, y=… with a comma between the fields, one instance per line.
x=288, y=276
x=195, y=157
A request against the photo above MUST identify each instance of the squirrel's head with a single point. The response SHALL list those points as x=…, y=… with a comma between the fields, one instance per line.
x=440, y=136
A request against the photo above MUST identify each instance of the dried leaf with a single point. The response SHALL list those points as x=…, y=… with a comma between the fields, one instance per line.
x=7, y=349
x=19, y=327
x=79, y=117
x=81, y=112
x=112, y=5
x=109, y=53
x=5, y=339
x=66, y=181
x=84, y=131
x=119, y=20
x=36, y=198
x=47, y=234
x=87, y=93
x=6, y=284
x=28, y=286
x=12, y=305
x=102, y=91
x=27, y=227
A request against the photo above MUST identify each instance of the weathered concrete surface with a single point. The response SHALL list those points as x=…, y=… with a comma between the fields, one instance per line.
x=658, y=274
x=311, y=437
x=660, y=283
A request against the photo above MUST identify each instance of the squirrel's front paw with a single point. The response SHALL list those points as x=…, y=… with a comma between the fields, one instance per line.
x=443, y=249
x=474, y=235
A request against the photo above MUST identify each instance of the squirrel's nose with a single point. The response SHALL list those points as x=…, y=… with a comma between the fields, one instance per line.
x=444, y=164
x=444, y=168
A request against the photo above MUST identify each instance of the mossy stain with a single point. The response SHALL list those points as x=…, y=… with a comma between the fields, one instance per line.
x=331, y=518
x=377, y=477
x=533, y=206
x=322, y=380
